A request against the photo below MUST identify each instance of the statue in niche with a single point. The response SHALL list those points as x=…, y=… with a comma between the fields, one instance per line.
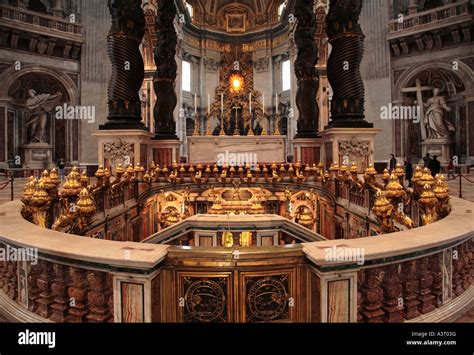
x=437, y=126
x=38, y=105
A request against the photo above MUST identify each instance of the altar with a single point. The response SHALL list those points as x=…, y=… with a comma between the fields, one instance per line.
x=236, y=150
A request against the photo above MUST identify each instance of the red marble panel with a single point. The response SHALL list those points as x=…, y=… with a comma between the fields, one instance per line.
x=310, y=155
x=163, y=156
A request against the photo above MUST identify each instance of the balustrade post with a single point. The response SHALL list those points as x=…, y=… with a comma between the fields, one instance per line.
x=59, y=287
x=466, y=256
x=392, y=292
x=426, y=281
x=457, y=272
x=33, y=290
x=43, y=282
x=372, y=295
x=409, y=288
x=3, y=269
x=12, y=280
x=98, y=298
x=5, y=277
x=437, y=287
x=78, y=296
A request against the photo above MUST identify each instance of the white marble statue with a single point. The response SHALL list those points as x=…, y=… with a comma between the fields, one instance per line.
x=437, y=126
x=38, y=106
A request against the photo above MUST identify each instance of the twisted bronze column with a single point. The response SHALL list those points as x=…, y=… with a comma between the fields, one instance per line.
x=166, y=71
x=305, y=70
x=347, y=40
x=123, y=41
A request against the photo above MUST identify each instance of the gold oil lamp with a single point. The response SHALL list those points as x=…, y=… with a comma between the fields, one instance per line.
x=426, y=178
x=100, y=174
x=441, y=192
x=383, y=210
x=40, y=203
x=428, y=202
x=48, y=184
x=370, y=174
x=84, y=180
x=29, y=190
x=386, y=176
x=394, y=190
x=334, y=169
x=399, y=172
x=85, y=205
x=54, y=178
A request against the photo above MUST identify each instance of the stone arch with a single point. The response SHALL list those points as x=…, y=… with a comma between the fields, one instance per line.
x=9, y=76
x=410, y=74
x=60, y=134
x=458, y=86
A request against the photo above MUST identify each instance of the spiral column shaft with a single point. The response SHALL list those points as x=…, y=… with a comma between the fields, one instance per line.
x=347, y=40
x=123, y=41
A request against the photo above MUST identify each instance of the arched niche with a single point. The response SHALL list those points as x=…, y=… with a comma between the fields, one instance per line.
x=454, y=84
x=61, y=134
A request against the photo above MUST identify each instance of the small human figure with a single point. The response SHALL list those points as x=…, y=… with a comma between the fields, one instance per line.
x=62, y=168
x=427, y=160
x=393, y=162
x=435, y=166
x=408, y=171
x=451, y=168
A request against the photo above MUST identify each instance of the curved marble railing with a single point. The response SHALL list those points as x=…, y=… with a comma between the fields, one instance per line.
x=423, y=274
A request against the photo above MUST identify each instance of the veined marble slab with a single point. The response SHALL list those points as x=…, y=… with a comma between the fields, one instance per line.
x=261, y=149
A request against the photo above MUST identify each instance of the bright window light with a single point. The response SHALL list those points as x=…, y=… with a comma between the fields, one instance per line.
x=286, y=75
x=186, y=76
